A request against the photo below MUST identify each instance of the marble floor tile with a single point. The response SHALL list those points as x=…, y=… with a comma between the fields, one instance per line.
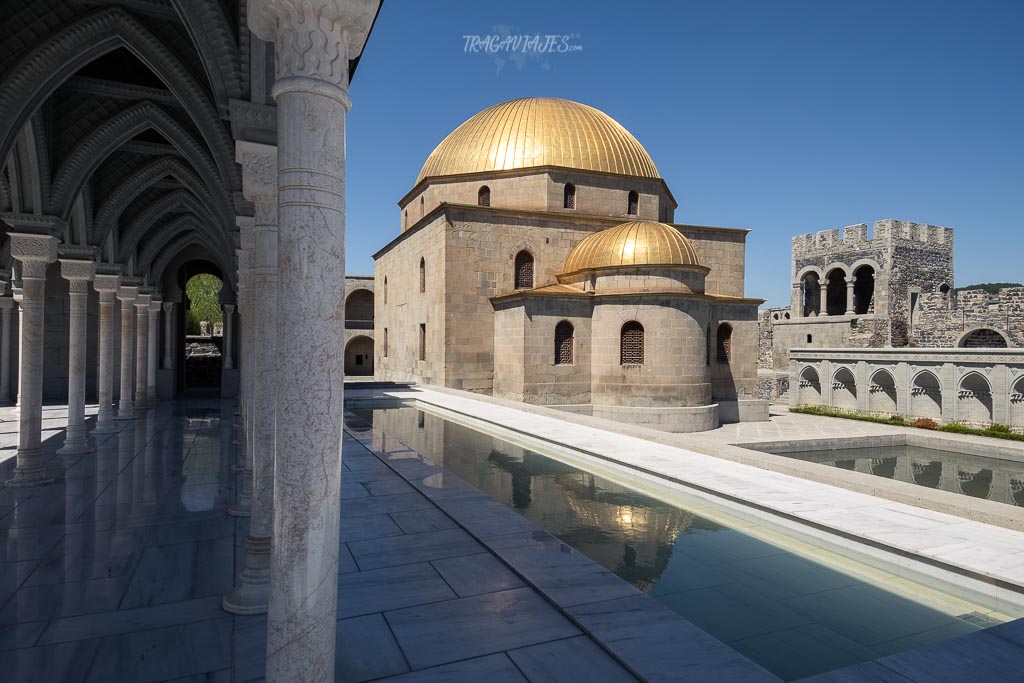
x=390, y=588
x=371, y=526
x=419, y=521
x=35, y=603
x=468, y=627
x=129, y=620
x=366, y=650
x=477, y=574
x=569, y=661
x=23, y=634
x=66, y=662
x=181, y=571
x=410, y=548
x=249, y=648
x=496, y=668
x=159, y=654
x=378, y=505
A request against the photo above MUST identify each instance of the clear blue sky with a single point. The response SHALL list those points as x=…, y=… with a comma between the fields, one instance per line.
x=783, y=117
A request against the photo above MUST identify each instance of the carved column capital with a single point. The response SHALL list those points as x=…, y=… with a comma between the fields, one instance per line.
x=78, y=274
x=154, y=306
x=35, y=253
x=106, y=286
x=127, y=295
x=168, y=306
x=142, y=302
x=314, y=41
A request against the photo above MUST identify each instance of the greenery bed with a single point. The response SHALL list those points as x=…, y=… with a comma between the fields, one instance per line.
x=996, y=431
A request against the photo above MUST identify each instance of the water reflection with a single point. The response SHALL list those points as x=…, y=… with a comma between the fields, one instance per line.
x=793, y=615
x=1001, y=481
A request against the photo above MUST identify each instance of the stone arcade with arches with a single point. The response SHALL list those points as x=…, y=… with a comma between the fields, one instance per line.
x=545, y=268
x=141, y=143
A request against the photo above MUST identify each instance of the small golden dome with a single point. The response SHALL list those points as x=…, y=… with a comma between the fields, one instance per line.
x=637, y=243
x=539, y=131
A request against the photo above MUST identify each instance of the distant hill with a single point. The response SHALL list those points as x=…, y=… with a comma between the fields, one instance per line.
x=990, y=287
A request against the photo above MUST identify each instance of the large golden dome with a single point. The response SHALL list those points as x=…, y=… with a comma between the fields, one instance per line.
x=637, y=243
x=539, y=131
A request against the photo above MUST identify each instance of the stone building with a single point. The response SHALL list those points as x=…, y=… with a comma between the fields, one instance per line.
x=359, y=325
x=892, y=290
x=538, y=261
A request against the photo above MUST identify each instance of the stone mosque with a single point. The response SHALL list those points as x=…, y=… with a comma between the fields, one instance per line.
x=538, y=261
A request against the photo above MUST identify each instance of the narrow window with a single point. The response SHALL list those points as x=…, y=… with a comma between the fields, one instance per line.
x=423, y=276
x=810, y=338
x=524, y=270
x=631, y=344
x=423, y=341
x=569, y=196
x=419, y=419
x=421, y=208
x=633, y=204
x=723, y=349
x=385, y=289
x=385, y=345
x=405, y=219
x=563, y=343
x=483, y=197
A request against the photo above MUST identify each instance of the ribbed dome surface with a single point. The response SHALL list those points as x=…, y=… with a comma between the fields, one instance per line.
x=637, y=243
x=539, y=131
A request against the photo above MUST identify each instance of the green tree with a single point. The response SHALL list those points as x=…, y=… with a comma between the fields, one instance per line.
x=203, y=292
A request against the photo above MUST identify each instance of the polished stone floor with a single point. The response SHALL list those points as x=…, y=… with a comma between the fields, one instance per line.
x=115, y=572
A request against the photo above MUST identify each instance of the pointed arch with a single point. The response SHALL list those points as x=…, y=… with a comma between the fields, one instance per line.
x=123, y=195
x=926, y=395
x=168, y=232
x=213, y=39
x=882, y=392
x=178, y=199
x=974, y=399
x=30, y=82
x=156, y=272
x=106, y=138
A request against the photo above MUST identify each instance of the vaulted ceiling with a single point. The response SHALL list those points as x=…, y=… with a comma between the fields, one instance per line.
x=115, y=117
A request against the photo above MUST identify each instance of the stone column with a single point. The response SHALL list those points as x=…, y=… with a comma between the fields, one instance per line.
x=259, y=184
x=141, y=350
x=168, y=335
x=229, y=312
x=35, y=252
x=823, y=304
x=314, y=41
x=849, y=294
x=127, y=296
x=78, y=274
x=106, y=286
x=6, y=305
x=154, y=351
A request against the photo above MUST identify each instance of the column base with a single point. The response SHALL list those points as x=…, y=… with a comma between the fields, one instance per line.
x=124, y=412
x=239, y=509
x=29, y=475
x=106, y=427
x=242, y=507
x=251, y=594
x=76, y=448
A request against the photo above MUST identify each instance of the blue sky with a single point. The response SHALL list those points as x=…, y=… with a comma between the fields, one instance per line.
x=783, y=117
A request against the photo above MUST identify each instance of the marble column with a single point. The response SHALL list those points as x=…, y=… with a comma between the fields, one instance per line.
x=127, y=296
x=141, y=350
x=314, y=40
x=823, y=304
x=850, y=281
x=229, y=312
x=154, y=351
x=168, y=335
x=35, y=252
x=6, y=306
x=243, y=462
x=17, y=293
x=106, y=286
x=259, y=184
x=78, y=274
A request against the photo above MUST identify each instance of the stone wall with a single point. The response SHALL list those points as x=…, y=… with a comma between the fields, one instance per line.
x=946, y=319
x=977, y=387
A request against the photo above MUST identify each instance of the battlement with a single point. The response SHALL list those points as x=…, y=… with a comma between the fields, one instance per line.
x=887, y=234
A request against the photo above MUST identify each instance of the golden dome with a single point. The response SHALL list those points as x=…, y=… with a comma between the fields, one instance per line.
x=539, y=131
x=637, y=243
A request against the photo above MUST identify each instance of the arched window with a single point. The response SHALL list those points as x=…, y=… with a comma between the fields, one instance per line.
x=569, y=196
x=524, y=270
x=863, y=289
x=423, y=341
x=483, y=197
x=810, y=338
x=385, y=289
x=563, y=343
x=421, y=207
x=723, y=346
x=384, y=351
x=423, y=275
x=631, y=344
x=633, y=203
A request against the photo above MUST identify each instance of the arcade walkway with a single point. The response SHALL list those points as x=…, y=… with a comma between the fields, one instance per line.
x=116, y=571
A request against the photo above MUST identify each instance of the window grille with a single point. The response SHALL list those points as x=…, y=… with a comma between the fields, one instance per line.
x=483, y=197
x=633, y=205
x=524, y=270
x=724, y=348
x=632, y=344
x=563, y=343
x=570, y=196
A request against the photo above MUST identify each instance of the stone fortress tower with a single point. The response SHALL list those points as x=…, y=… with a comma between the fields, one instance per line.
x=890, y=290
